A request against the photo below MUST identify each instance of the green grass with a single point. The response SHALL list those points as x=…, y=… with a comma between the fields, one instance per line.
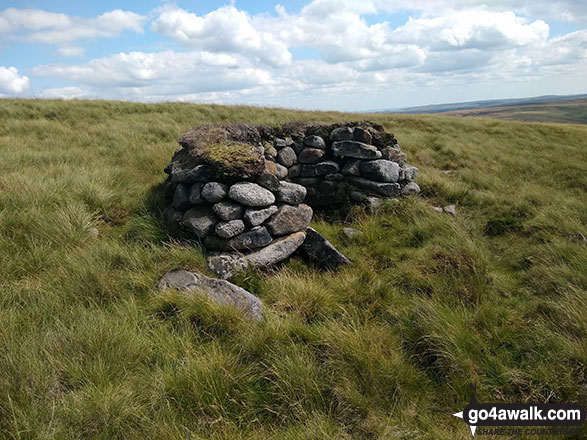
x=573, y=111
x=384, y=349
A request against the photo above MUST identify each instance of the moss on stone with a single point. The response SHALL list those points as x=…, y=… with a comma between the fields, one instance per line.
x=234, y=159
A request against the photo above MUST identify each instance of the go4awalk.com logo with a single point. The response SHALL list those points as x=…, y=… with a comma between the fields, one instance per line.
x=522, y=418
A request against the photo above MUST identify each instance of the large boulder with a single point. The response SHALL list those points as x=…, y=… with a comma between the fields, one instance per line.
x=219, y=291
x=321, y=252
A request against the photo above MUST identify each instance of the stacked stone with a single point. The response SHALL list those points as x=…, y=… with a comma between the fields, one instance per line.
x=345, y=166
x=242, y=216
x=245, y=191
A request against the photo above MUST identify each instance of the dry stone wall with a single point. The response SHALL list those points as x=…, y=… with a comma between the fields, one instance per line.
x=248, y=192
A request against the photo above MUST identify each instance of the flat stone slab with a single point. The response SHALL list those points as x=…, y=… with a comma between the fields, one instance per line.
x=355, y=149
x=277, y=251
x=319, y=251
x=219, y=291
x=380, y=188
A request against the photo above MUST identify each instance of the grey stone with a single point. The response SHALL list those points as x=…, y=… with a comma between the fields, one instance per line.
x=351, y=233
x=200, y=221
x=281, y=171
x=362, y=135
x=213, y=192
x=335, y=176
x=369, y=201
x=271, y=152
x=228, y=210
x=315, y=142
x=268, y=181
x=380, y=170
x=297, y=147
x=196, y=194
x=380, y=188
x=291, y=193
x=450, y=209
x=408, y=172
x=395, y=154
x=411, y=189
x=277, y=251
x=173, y=219
x=307, y=171
x=226, y=264
x=229, y=229
x=181, y=198
x=219, y=291
x=294, y=171
x=310, y=155
x=287, y=157
x=306, y=181
x=342, y=134
x=438, y=208
x=289, y=219
x=355, y=149
x=251, y=194
x=326, y=167
x=254, y=217
x=199, y=173
x=255, y=238
x=279, y=143
x=352, y=167
x=321, y=252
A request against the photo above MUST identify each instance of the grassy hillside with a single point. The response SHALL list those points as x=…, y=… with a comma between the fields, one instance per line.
x=572, y=111
x=384, y=349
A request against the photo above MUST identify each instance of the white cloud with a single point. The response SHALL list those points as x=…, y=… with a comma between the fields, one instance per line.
x=11, y=81
x=223, y=30
x=70, y=51
x=149, y=76
x=39, y=26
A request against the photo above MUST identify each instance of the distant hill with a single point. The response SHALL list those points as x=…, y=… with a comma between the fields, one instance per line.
x=551, y=108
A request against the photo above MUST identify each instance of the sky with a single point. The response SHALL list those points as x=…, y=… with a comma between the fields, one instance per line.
x=347, y=55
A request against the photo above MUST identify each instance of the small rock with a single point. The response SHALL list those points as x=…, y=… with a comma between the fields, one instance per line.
x=277, y=251
x=379, y=188
x=226, y=264
x=447, y=171
x=271, y=152
x=196, y=194
x=173, y=219
x=279, y=143
x=229, y=229
x=438, y=208
x=228, y=210
x=181, y=198
x=311, y=155
x=450, y=209
x=287, y=157
x=352, y=167
x=294, y=171
x=251, y=194
x=94, y=232
x=281, y=171
x=270, y=167
x=393, y=153
x=315, y=142
x=291, y=193
x=255, y=238
x=411, y=189
x=268, y=181
x=219, y=291
x=362, y=135
x=326, y=167
x=321, y=252
x=370, y=202
x=351, y=233
x=213, y=192
x=289, y=219
x=200, y=220
x=254, y=217
x=355, y=149
x=380, y=170
x=409, y=172
x=342, y=134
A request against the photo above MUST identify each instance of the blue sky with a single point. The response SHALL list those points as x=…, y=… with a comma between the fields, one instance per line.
x=321, y=54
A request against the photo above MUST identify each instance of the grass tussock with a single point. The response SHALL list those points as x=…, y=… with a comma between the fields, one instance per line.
x=385, y=348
